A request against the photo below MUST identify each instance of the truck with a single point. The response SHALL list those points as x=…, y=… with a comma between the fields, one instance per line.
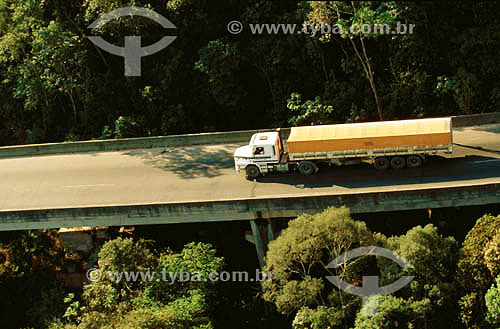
x=385, y=144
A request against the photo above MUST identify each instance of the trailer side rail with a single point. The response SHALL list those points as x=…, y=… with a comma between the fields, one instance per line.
x=371, y=153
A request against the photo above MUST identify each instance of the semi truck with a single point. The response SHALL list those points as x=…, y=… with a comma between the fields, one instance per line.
x=385, y=144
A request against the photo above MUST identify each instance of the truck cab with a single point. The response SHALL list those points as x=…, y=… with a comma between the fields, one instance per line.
x=260, y=156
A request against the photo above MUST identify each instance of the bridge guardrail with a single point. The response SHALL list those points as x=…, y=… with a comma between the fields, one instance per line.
x=188, y=139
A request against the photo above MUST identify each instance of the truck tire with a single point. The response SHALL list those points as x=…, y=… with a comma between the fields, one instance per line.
x=381, y=163
x=307, y=168
x=252, y=172
x=398, y=162
x=414, y=161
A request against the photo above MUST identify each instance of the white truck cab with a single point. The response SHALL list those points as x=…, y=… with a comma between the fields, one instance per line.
x=260, y=156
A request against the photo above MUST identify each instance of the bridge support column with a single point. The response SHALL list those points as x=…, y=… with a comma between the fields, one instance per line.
x=262, y=233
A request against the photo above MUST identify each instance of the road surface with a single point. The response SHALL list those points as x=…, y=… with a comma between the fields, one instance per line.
x=206, y=173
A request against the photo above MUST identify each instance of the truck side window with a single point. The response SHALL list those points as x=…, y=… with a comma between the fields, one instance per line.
x=258, y=150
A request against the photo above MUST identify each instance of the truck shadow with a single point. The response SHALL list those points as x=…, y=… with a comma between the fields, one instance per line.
x=437, y=170
x=189, y=162
x=479, y=148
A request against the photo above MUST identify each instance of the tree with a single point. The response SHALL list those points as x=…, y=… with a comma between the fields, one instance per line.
x=492, y=299
x=220, y=61
x=195, y=258
x=345, y=16
x=473, y=273
x=314, y=112
x=394, y=312
x=433, y=292
x=492, y=255
x=153, y=302
x=298, y=259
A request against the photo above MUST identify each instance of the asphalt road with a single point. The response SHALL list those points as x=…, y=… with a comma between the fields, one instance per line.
x=206, y=173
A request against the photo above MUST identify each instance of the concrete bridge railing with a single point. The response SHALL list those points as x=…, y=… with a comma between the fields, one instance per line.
x=178, y=140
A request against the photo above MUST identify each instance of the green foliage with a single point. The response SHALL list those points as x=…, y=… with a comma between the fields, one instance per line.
x=309, y=112
x=318, y=318
x=492, y=255
x=34, y=251
x=195, y=258
x=55, y=85
x=126, y=126
x=462, y=86
x=73, y=310
x=473, y=273
x=107, y=133
x=220, y=61
x=52, y=70
x=393, y=312
x=124, y=255
x=145, y=304
x=298, y=259
x=343, y=16
x=492, y=299
x=434, y=259
x=71, y=137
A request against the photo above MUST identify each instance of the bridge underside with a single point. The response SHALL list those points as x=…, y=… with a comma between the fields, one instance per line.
x=248, y=209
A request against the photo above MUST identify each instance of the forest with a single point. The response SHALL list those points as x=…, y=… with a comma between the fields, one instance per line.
x=56, y=85
x=455, y=281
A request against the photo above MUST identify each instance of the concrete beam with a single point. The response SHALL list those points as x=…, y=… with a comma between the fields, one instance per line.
x=247, y=209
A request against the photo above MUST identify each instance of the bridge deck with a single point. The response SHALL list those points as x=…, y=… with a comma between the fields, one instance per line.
x=206, y=173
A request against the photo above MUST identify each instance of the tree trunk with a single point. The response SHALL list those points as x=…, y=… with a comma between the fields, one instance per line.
x=73, y=105
x=365, y=62
x=377, y=99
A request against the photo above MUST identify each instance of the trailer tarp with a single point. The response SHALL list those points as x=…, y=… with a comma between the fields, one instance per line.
x=370, y=135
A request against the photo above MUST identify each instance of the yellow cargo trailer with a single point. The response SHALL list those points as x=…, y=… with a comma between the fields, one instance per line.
x=386, y=144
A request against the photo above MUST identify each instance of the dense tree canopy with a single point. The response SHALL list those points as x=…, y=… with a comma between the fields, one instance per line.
x=477, y=269
x=149, y=304
x=56, y=85
x=452, y=286
x=298, y=259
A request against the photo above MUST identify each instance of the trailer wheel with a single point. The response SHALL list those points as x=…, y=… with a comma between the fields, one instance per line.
x=414, y=161
x=307, y=168
x=398, y=162
x=252, y=171
x=381, y=163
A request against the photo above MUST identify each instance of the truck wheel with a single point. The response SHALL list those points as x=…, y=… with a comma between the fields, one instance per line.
x=414, y=161
x=381, y=163
x=307, y=168
x=398, y=162
x=252, y=172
